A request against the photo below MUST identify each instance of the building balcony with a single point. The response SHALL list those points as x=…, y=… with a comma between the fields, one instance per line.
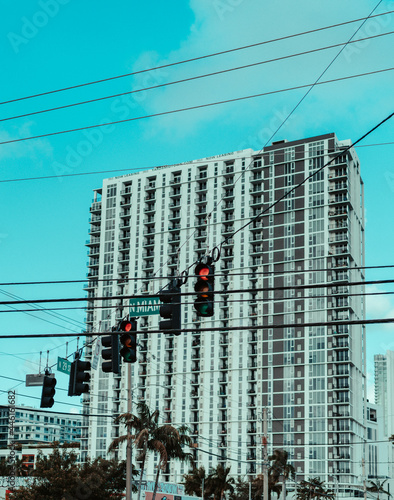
x=176, y=238
x=201, y=187
x=257, y=189
x=228, y=182
x=95, y=207
x=228, y=206
x=94, y=229
x=124, y=235
x=227, y=229
x=256, y=200
x=125, y=191
x=126, y=202
x=228, y=170
x=339, y=186
x=150, y=208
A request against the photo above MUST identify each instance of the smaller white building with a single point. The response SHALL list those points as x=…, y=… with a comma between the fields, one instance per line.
x=26, y=426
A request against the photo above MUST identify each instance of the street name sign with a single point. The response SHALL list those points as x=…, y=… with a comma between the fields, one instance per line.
x=63, y=365
x=144, y=306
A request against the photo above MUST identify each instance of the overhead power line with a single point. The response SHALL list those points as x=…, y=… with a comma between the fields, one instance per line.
x=192, y=78
x=190, y=108
x=198, y=58
x=139, y=169
x=217, y=274
x=230, y=301
x=185, y=294
x=213, y=329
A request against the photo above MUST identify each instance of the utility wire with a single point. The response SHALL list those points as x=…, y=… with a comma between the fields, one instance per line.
x=220, y=303
x=335, y=323
x=192, y=78
x=227, y=274
x=190, y=108
x=330, y=284
x=198, y=58
x=97, y=172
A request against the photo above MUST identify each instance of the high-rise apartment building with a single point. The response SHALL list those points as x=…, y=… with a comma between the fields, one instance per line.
x=384, y=395
x=285, y=283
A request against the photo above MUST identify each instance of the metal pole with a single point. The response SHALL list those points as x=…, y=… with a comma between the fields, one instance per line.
x=364, y=483
x=250, y=490
x=202, y=489
x=128, y=447
x=265, y=461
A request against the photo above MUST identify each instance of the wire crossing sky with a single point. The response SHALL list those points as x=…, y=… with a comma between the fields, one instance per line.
x=45, y=223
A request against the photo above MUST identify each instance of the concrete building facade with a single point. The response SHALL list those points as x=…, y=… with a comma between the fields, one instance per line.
x=285, y=282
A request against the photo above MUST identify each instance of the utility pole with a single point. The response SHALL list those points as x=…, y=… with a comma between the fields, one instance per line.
x=364, y=483
x=129, y=487
x=265, y=458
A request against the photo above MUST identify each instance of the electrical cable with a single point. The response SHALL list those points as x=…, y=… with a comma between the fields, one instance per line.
x=330, y=284
x=227, y=274
x=192, y=78
x=190, y=108
x=198, y=58
x=214, y=329
x=219, y=303
x=97, y=172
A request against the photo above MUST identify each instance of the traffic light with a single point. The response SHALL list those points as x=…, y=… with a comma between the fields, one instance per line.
x=128, y=339
x=79, y=377
x=170, y=310
x=111, y=355
x=48, y=391
x=204, y=288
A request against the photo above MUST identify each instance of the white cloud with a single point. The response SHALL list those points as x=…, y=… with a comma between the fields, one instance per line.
x=37, y=149
x=224, y=24
x=379, y=306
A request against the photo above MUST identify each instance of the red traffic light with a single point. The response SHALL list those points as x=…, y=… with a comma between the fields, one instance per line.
x=203, y=271
x=126, y=326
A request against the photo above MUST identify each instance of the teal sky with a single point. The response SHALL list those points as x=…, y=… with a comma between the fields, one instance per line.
x=53, y=44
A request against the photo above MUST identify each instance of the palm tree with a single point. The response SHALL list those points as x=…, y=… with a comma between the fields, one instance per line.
x=170, y=441
x=144, y=426
x=219, y=482
x=148, y=436
x=314, y=488
x=378, y=487
x=194, y=481
x=279, y=467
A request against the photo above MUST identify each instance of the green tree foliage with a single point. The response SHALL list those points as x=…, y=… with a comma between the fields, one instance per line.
x=219, y=482
x=194, y=481
x=279, y=472
x=59, y=477
x=314, y=488
x=147, y=436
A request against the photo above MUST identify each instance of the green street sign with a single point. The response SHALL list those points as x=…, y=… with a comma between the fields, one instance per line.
x=63, y=365
x=144, y=306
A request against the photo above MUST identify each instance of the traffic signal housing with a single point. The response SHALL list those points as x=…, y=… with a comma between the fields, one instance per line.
x=204, y=288
x=79, y=377
x=48, y=391
x=111, y=355
x=170, y=310
x=128, y=339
